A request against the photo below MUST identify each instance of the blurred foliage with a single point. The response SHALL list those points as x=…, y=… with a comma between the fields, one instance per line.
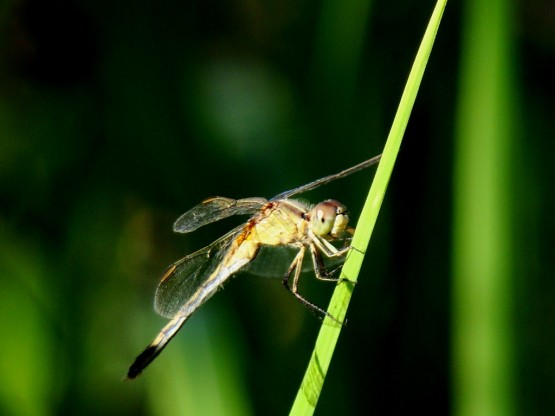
x=116, y=117
x=483, y=238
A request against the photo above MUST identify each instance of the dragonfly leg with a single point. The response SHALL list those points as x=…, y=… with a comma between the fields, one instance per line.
x=328, y=249
x=320, y=270
x=296, y=266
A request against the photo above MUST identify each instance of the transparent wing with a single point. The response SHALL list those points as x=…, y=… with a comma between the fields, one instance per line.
x=184, y=281
x=215, y=209
x=327, y=179
x=274, y=261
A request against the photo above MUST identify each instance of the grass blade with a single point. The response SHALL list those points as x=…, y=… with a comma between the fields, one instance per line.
x=311, y=386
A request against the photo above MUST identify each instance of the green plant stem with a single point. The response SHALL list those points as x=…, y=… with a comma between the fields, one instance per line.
x=311, y=386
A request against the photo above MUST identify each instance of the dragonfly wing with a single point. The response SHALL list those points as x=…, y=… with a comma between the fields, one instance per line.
x=274, y=261
x=215, y=209
x=189, y=282
x=327, y=179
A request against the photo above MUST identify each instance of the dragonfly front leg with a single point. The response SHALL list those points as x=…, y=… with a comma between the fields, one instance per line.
x=327, y=248
x=320, y=269
x=296, y=266
x=330, y=251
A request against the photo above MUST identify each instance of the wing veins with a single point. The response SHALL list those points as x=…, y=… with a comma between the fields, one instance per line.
x=180, y=285
x=327, y=179
x=215, y=209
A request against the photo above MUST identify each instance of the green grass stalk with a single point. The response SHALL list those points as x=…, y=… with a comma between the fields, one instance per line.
x=311, y=386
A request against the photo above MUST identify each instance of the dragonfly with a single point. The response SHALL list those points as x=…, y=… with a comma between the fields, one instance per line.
x=278, y=222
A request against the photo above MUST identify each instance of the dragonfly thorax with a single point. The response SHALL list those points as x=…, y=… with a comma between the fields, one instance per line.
x=329, y=218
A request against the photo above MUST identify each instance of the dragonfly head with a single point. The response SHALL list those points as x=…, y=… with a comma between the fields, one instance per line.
x=329, y=218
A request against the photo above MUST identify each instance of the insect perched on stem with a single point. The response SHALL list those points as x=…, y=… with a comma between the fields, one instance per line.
x=280, y=221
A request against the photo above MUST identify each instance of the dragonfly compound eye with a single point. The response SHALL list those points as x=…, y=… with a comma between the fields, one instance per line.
x=329, y=218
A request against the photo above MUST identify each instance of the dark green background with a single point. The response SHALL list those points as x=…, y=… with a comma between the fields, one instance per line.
x=116, y=117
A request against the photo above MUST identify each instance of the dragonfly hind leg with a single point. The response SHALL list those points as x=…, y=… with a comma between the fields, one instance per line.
x=296, y=266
